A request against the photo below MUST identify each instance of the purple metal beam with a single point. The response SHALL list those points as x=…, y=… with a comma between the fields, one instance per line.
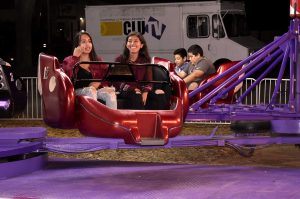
x=22, y=133
x=296, y=61
x=292, y=95
x=279, y=79
x=19, y=150
x=258, y=80
x=252, y=58
x=259, y=58
x=285, y=46
x=21, y=167
x=11, y=149
x=252, y=71
x=81, y=145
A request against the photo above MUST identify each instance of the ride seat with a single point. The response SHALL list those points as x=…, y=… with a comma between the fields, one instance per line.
x=159, y=74
x=230, y=97
x=164, y=62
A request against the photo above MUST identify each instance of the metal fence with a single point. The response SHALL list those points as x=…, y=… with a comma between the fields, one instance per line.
x=33, y=110
x=262, y=93
x=259, y=95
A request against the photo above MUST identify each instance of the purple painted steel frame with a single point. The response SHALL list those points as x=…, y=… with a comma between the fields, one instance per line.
x=280, y=50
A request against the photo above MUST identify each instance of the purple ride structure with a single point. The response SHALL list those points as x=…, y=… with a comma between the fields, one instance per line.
x=284, y=118
x=24, y=149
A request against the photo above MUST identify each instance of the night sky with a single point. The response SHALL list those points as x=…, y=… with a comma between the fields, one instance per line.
x=268, y=15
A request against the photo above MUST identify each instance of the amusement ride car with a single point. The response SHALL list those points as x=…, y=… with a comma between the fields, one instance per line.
x=216, y=100
x=63, y=109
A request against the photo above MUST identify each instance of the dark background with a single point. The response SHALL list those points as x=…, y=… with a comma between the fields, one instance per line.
x=28, y=27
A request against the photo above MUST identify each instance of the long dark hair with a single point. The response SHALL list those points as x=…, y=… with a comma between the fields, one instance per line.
x=93, y=54
x=143, y=53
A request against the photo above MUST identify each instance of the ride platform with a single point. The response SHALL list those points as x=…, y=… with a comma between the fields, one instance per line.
x=66, y=178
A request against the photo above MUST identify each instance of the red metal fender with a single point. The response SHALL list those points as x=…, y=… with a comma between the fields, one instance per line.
x=57, y=92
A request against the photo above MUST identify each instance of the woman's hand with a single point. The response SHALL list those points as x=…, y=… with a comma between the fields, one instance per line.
x=77, y=51
x=159, y=91
x=2, y=62
x=108, y=89
x=95, y=84
x=137, y=91
x=144, y=95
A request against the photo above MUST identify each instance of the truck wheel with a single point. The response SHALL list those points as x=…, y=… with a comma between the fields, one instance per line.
x=250, y=126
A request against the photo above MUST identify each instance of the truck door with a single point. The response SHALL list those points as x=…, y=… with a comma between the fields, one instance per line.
x=217, y=42
x=197, y=31
x=208, y=31
x=227, y=41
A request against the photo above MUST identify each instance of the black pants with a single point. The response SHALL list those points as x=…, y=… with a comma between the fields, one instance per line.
x=154, y=101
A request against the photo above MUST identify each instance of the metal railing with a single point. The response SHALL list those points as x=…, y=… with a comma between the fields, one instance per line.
x=33, y=110
x=260, y=95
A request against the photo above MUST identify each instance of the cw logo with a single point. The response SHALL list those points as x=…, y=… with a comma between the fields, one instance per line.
x=119, y=28
x=155, y=28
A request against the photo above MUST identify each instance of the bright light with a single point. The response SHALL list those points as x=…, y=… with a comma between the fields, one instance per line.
x=5, y=104
x=81, y=22
x=44, y=45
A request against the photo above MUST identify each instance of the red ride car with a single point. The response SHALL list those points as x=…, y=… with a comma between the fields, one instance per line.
x=63, y=109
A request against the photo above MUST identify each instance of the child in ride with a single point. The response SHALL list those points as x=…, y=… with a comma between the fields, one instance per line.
x=199, y=68
x=180, y=59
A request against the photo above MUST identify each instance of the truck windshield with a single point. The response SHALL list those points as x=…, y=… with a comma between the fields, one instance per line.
x=235, y=24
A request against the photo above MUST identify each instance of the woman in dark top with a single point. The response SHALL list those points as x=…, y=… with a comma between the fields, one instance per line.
x=139, y=96
x=84, y=51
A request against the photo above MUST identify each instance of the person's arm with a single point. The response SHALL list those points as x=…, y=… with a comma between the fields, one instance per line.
x=193, y=76
x=70, y=61
x=182, y=74
x=68, y=65
x=184, y=71
x=200, y=70
x=4, y=63
x=96, y=85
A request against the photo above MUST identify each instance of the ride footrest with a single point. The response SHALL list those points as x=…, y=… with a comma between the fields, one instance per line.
x=150, y=129
x=152, y=142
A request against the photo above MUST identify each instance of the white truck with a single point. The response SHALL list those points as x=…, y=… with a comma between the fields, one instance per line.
x=218, y=27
